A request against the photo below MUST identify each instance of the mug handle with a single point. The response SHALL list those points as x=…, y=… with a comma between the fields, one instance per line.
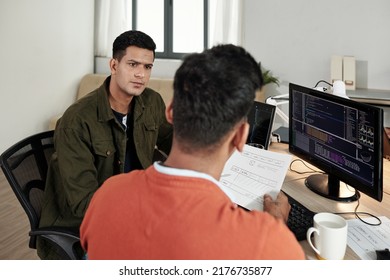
x=310, y=231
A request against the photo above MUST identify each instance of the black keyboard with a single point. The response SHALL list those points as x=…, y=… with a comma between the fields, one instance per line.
x=299, y=219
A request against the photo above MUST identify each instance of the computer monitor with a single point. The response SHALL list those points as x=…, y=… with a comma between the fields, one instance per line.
x=261, y=119
x=341, y=137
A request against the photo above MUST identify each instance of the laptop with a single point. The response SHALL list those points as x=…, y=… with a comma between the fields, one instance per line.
x=261, y=119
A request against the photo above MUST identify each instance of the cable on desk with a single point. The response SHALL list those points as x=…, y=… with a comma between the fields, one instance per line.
x=322, y=81
x=304, y=172
x=355, y=212
x=357, y=215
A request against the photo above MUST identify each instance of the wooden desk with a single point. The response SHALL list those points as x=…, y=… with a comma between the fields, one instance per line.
x=294, y=186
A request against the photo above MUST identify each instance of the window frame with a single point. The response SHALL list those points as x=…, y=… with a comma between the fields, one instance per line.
x=168, y=29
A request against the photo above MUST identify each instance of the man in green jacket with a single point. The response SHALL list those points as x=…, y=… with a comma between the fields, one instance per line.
x=112, y=130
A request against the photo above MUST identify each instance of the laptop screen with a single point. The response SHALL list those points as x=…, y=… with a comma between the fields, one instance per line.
x=261, y=119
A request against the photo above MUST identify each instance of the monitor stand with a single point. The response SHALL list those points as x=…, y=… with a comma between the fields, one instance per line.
x=329, y=186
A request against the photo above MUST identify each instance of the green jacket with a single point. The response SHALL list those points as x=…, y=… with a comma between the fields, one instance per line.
x=90, y=147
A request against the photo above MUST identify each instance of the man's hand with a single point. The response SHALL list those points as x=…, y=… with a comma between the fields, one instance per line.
x=279, y=208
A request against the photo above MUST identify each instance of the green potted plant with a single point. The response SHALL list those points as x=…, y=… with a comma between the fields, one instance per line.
x=268, y=78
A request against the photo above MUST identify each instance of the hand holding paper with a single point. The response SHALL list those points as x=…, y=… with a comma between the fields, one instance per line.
x=254, y=172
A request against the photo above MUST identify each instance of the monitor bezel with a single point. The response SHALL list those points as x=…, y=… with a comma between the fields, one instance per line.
x=376, y=191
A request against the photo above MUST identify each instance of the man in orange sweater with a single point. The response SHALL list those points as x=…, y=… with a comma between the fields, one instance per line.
x=176, y=209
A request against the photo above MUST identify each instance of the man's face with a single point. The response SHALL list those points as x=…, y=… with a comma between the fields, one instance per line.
x=132, y=72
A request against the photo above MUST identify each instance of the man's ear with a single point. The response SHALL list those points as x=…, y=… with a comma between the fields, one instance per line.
x=113, y=65
x=169, y=112
x=241, y=136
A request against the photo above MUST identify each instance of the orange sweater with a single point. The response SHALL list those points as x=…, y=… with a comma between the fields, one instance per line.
x=150, y=215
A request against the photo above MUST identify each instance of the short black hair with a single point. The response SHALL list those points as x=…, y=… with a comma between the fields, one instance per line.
x=132, y=38
x=213, y=91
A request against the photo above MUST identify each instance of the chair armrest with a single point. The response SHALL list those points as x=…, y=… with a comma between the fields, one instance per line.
x=60, y=231
x=63, y=238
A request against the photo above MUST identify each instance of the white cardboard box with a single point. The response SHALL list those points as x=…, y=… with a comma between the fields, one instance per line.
x=349, y=72
x=336, y=68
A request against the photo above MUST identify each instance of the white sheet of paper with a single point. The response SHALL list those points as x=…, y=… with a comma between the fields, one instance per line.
x=364, y=239
x=254, y=172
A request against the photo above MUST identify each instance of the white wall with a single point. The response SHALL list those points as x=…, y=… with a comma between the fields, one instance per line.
x=46, y=46
x=296, y=39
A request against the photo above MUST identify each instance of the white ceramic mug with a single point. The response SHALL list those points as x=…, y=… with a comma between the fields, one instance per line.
x=330, y=236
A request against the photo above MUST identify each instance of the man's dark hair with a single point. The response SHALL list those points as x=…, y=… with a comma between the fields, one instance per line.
x=132, y=38
x=213, y=91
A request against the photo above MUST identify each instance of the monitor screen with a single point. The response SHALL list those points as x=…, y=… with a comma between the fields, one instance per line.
x=261, y=119
x=341, y=137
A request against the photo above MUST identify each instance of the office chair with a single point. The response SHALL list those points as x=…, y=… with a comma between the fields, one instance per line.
x=25, y=166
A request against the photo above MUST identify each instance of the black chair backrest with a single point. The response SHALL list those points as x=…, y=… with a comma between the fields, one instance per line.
x=25, y=166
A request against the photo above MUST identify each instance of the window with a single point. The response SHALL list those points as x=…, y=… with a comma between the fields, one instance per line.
x=177, y=26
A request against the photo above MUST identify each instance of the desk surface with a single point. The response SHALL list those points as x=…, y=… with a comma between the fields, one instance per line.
x=294, y=186
x=371, y=96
